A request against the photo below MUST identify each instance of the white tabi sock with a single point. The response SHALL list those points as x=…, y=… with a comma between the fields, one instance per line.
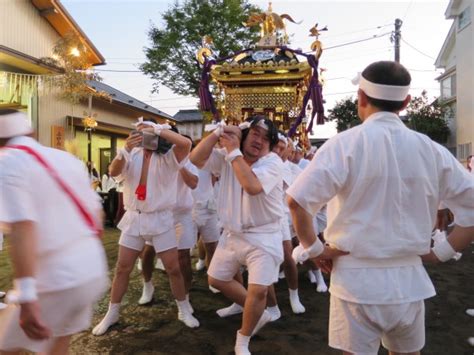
x=264, y=319
x=159, y=265
x=200, y=265
x=184, y=314
x=471, y=341
x=147, y=293
x=242, y=344
x=234, y=308
x=295, y=302
x=139, y=264
x=311, y=277
x=322, y=287
x=281, y=275
x=111, y=317
x=191, y=309
x=470, y=312
x=274, y=312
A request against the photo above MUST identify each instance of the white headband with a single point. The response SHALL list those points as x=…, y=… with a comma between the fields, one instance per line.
x=14, y=124
x=282, y=138
x=261, y=123
x=380, y=91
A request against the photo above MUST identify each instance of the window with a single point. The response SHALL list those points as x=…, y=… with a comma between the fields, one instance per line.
x=448, y=87
x=464, y=18
x=464, y=150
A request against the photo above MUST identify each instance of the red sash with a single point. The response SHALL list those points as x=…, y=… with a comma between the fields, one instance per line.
x=86, y=216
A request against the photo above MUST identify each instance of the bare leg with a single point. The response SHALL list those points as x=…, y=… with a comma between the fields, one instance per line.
x=210, y=249
x=60, y=346
x=233, y=290
x=148, y=258
x=125, y=263
x=289, y=266
x=253, y=308
x=201, y=249
x=171, y=263
x=185, y=266
x=271, y=297
x=126, y=260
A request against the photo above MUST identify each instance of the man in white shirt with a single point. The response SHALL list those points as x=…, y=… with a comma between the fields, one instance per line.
x=249, y=205
x=149, y=180
x=205, y=216
x=58, y=260
x=290, y=171
x=185, y=234
x=382, y=183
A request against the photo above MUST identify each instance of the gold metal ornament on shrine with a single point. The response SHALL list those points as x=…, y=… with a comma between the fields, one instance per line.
x=268, y=78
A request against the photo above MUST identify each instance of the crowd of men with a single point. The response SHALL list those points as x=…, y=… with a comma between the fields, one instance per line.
x=254, y=209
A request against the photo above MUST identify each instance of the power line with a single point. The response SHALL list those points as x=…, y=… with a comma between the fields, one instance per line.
x=416, y=49
x=358, y=41
x=408, y=8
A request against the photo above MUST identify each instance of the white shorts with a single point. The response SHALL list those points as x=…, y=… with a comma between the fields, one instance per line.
x=231, y=253
x=186, y=234
x=209, y=231
x=359, y=328
x=160, y=242
x=285, y=229
x=65, y=312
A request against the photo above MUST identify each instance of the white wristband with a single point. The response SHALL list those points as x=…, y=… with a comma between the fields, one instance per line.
x=315, y=249
x=443, y=251
x=157, y=128
x=24, y=292
x=122, y=153
x=233, y=154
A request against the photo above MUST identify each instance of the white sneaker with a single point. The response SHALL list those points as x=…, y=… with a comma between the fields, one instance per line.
x=159, y=265
x=200, y=265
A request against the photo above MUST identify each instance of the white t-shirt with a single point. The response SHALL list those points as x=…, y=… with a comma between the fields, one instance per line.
x=154, y=215
x=161, y=181
x=184, y=197
x=303, y=163
x=108, y=183
x=68, y=253
x=383, y=183
x=247, y=215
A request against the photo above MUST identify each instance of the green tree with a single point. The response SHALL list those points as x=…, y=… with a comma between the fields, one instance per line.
x=344, y=113
x=428, y=118
x=171, y=58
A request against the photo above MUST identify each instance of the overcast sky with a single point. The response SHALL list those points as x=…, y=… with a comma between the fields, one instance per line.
x=119, y=31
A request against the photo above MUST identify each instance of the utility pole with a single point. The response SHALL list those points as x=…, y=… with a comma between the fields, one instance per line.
x=396, y=36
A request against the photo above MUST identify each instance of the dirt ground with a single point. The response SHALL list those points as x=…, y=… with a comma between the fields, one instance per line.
x=154, y=329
